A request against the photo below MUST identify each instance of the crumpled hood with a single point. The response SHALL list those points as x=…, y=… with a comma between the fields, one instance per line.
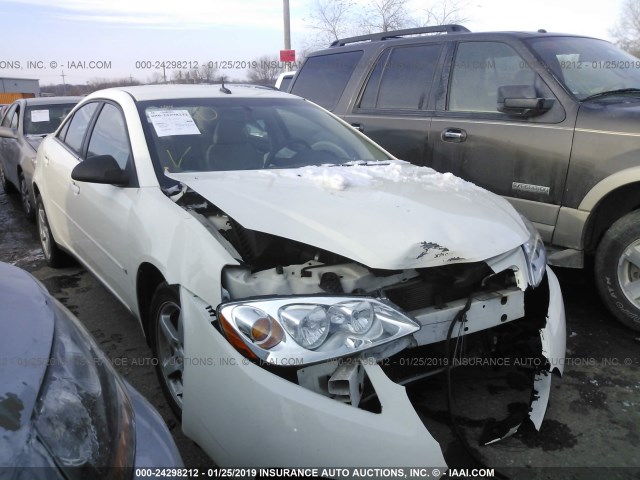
x=391, y=215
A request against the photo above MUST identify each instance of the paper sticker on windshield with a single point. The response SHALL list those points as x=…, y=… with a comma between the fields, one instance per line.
x=173, y=122
x=39, y=115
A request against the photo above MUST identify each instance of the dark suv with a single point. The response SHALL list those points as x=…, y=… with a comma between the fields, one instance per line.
x=549, y=121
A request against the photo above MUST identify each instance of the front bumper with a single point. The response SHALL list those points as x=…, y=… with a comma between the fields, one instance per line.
x=245, y=416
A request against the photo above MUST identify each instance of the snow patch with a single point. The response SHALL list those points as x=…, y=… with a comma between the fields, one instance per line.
x=371, y=174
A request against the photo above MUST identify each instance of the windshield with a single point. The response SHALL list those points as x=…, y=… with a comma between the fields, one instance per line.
x=44, y=119
x=588, y=66
x=248, y=134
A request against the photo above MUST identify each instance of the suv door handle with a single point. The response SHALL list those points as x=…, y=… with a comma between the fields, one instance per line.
x=358, y=126
x=456, y=135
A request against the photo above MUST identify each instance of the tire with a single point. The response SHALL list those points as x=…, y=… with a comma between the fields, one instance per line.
x=167, y=343
x=53, y=255
x=617, y=270
x=7, y=186
x=27, y=207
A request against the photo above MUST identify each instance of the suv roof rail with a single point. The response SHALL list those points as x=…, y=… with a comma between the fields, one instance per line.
x=376, y=37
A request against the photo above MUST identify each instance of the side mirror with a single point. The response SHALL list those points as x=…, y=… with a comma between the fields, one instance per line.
x=522, y=100
x=101, y=169
x=6, y=132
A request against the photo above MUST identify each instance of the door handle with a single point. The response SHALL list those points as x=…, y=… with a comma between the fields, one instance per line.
x=75, y=188
x=46, y=160
x=455, y=135
x=358, y=126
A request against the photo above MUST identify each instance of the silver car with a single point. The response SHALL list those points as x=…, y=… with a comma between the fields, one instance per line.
x=26, y=122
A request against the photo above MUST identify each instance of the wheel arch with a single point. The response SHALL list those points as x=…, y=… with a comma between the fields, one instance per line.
x=610, y=208
x=148, y=278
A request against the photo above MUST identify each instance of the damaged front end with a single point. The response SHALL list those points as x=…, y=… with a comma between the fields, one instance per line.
x=322, y=346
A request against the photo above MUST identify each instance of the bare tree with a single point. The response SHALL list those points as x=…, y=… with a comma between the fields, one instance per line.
x=156, y=77
x=627, y=31
x=207, y=72
x=266, y=70
x=334, y=19
x=195, y=75
x=443, y=12
x=384, y=16
x=331, y=19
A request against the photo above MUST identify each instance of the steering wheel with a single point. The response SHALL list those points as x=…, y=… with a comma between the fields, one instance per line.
x=330, y=147
x=296, y=145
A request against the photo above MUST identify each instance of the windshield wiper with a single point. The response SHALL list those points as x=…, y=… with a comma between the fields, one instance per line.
x=359, y=163
x=611, y=92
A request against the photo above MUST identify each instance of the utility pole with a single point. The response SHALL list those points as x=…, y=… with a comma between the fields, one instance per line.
x=64, y=85
x=287, y=29
x=287, y=25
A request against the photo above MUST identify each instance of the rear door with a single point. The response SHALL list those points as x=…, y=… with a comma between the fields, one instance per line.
x=57, y=159
x=394, y=106
x=522, y=158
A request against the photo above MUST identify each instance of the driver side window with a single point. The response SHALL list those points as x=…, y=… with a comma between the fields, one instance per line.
x=479, y=69
x=109, y=137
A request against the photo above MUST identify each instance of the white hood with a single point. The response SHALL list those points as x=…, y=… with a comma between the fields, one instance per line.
x=387, y=216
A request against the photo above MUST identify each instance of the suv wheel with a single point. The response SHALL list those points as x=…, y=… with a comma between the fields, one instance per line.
x=167, y=342
x=27, y=207
x=617, y=269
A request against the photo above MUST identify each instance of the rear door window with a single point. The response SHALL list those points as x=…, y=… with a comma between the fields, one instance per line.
x=402, y=78
x=323, y=78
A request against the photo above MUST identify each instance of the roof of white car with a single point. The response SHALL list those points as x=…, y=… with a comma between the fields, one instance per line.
x=155, y=92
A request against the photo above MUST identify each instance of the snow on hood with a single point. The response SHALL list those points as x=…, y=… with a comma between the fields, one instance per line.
x=390, y=215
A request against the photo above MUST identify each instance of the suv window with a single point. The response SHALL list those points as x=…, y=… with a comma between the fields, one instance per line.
x=109, y=137
x=78, y=127
x=323, y=78
x=402, y=79
x=479, y=69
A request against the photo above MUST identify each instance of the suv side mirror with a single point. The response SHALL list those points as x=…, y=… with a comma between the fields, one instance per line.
x=100, y=169
x=6, y=132
x=522, y=100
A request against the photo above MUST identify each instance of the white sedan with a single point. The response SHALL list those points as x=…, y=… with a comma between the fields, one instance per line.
x=284, y=268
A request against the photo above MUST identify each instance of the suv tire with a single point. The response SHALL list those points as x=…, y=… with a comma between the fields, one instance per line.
x=617, y=269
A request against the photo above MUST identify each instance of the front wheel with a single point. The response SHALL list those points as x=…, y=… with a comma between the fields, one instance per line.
x=617, y=270
x=167, y=342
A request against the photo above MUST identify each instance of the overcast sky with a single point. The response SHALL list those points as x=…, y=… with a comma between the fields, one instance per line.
x=116, y=34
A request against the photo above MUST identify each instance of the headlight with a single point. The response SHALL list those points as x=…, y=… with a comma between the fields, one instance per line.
x=535, y=254
x=84, y=416
x=311, y=329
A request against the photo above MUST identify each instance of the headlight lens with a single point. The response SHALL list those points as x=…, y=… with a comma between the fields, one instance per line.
x=535, y=254
x=311, y=329
x=84, y=416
